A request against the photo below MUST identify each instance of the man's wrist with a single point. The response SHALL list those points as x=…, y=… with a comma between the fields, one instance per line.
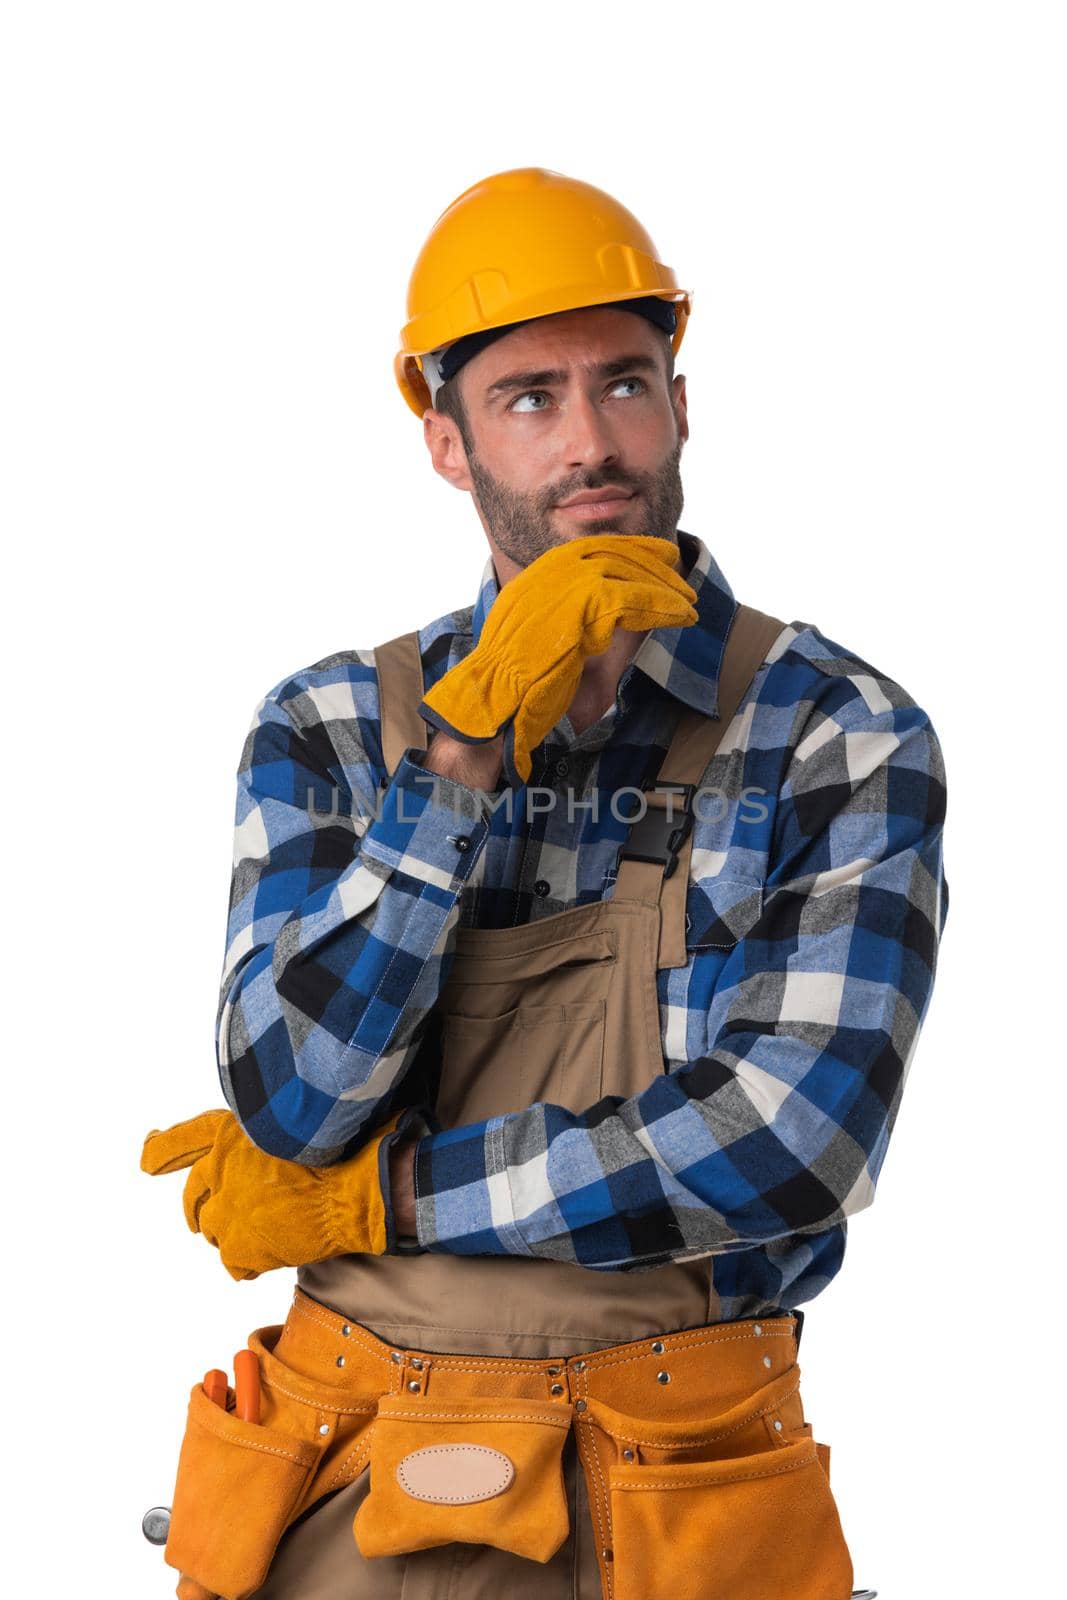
x=396, y=1179
x=476, y=766
x=402, y=1190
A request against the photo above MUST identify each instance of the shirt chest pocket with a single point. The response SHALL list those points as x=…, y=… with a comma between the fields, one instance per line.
x=720, y=912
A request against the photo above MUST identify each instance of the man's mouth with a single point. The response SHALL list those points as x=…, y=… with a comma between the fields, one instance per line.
x=584, y=507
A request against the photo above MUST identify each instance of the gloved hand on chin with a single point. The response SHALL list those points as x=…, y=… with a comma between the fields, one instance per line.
x=545, y=622
x=262, y=1212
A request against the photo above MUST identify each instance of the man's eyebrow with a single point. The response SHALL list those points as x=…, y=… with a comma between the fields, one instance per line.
x=547, y=376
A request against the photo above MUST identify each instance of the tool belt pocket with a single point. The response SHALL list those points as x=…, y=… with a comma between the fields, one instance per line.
x=237, y=1486
x=725, y=1507
x=479, y=1471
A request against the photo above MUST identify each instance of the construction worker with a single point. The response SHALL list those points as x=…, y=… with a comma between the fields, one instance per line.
x=579, y=943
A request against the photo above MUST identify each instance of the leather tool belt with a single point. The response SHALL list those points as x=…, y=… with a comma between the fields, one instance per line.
x=704, y=1478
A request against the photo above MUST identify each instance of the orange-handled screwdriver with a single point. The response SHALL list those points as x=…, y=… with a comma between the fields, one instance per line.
x=215, y=1387
x=246, y=1385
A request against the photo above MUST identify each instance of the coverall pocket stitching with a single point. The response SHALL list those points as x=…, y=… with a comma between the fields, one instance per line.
x=544, y=1042
x=605, y=952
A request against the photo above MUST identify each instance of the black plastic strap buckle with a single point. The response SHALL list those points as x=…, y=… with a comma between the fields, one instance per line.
x=658, y=836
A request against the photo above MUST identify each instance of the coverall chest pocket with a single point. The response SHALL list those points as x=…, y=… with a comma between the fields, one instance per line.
x=492, y=1065
x=526, y=1027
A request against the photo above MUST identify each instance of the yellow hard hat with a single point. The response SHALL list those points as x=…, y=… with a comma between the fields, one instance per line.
x=521, y=244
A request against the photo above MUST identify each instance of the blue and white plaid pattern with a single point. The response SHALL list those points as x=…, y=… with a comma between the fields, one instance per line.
x=815, y=907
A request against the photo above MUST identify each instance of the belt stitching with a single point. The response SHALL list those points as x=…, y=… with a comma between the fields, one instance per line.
x=595, y=1363
x=594, y=1360
x=335, y=1327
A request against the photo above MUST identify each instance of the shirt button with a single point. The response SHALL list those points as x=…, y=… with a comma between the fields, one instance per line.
x=462, y=841
x=541, y=888
x=562, y=768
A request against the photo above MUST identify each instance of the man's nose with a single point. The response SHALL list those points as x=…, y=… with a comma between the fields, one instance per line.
x=589, y=439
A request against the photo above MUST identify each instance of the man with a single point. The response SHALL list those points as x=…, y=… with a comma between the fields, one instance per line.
x=558, y=1103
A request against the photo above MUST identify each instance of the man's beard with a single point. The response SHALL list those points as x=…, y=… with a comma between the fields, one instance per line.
x=522, y=524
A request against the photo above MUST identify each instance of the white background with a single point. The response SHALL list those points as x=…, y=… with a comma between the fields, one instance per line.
x=210, y=480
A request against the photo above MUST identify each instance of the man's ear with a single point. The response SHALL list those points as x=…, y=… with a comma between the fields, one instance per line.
x=681, y=412
x=445, y=444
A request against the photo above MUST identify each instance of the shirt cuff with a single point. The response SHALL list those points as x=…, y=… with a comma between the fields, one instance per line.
x=426, y=825
x=463, y=1196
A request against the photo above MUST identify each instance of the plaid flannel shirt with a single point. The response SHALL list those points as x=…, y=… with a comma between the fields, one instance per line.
x=813, y=921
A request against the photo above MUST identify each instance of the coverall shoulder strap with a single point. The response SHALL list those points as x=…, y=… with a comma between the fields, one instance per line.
x=697, y=737
x=400, y=689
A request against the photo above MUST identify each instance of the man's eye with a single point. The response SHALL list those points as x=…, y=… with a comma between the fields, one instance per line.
x=540, y=394
x=531, y=394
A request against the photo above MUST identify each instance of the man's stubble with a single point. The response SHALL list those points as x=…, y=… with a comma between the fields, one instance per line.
x=522, y=524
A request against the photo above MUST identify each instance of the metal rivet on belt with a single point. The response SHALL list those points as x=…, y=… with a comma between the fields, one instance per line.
x=414, y=1385
x=609, y=1555
x=340, y=1361
x=417, y=1363
x=553, y=1372
x=766, y=1361
x=557, y=1388
x=579, y=1405
x=663, y=1377
x=778, y=1424
x=579, y=1366
x=395, y=1355
x=346, y=1329
x=324, y=1428
x=627, y=1455
x=757, y=1330
x=657, y=1348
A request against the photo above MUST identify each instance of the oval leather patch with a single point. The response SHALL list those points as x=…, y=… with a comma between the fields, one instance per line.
x=454, y=1474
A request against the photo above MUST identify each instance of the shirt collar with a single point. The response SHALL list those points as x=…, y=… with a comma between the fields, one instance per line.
x=684, y=661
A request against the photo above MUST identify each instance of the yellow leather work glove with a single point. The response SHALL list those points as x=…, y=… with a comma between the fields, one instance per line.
x=262, y=1212
x=524, y=671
